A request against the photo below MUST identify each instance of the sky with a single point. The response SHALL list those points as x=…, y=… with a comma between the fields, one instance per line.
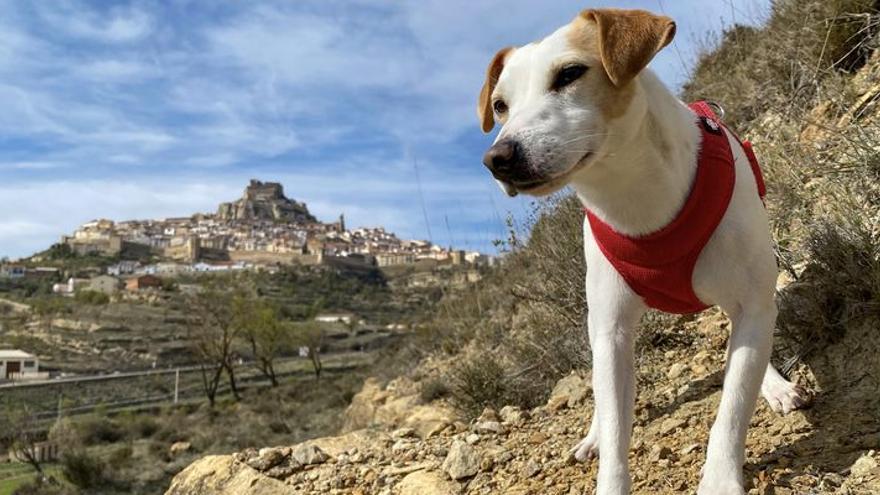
x=151, y=109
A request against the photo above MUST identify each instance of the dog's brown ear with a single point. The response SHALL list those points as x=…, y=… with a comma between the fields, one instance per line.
x=629, y=39
x=484, y=105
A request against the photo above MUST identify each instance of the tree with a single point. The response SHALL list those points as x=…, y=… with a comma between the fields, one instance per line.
x=20, y=428
x=310, y=335
x=259, y=324
x=212, y=335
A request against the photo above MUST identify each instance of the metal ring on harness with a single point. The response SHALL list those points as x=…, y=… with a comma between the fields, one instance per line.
x=717, y=108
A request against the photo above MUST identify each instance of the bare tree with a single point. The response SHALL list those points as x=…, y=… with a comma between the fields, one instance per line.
x=258, y=323
x=20, y=429
x=310, y=335
x=212, y=335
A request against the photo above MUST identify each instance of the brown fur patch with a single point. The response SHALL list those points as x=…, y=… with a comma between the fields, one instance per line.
x=629, y=39
x=484, y=104
x=612, y=100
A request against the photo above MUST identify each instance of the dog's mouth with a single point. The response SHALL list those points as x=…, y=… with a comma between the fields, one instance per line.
x=545, y=185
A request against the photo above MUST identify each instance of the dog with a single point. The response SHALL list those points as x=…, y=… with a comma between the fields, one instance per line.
x=580, y=108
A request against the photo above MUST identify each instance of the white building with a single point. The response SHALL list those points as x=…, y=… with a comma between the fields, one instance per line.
x=19, y=365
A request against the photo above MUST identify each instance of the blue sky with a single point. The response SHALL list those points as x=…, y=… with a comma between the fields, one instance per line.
x=147, y=109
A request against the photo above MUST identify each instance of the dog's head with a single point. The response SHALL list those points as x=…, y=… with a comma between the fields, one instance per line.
x=560, y=98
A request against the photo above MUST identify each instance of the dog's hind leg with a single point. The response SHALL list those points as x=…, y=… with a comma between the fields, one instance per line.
x=782, y=395
x=747, y=357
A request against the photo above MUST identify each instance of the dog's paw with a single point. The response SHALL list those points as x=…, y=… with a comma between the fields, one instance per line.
x=586, y=449
x=714, y=487
x=784, y=396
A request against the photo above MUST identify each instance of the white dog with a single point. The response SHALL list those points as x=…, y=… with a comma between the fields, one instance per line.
x=580, y=108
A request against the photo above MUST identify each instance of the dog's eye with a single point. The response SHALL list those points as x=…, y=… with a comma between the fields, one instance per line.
x=500, y=107
x=568, y=75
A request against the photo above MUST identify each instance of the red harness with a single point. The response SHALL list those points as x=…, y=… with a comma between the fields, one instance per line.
x=659, y=266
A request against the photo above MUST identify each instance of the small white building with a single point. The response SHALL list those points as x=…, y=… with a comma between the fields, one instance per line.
x=19, y=365
x=346, y=318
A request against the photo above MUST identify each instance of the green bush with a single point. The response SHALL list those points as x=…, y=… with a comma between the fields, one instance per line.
x=92, y=297
x=83, y=470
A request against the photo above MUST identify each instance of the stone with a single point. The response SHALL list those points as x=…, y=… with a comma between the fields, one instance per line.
x=537, y=438
x=659, y=452
x=472, y=438
x=178, y=448
x=669, y=425
x=489, y=427
x=865, y=465
x=307, y=454
x=268, y=458
x=676, y=370
x=221, y=475
x=512, y=415
x=425, y=483
x=404, y=432
x=531, y=469
x=574, y=387
x=488, y=414
x=462, y=461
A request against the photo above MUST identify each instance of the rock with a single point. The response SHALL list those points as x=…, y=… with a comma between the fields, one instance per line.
x=425, y=483
x=865, y=465
x=659, y=452
x=538, y=438
x=221, y=475
x=462, y=461
x=472, y=438
x=307, y=454
x=671, y=424
x=489, y=427
x=268, y=458
x=178, y=448
x=403, y=433
x=531, y=469
x=513, y=415
x=573, y=387
x=676, y=370
x=489, y=414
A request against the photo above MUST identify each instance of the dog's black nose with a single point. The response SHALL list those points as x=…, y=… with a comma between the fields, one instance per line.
x=503, y=157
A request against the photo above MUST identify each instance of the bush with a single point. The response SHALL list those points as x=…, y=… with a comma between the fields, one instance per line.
x=83, y=470
x=97, y=429
x=92, y=297
x=432, y=389
x=44, y=487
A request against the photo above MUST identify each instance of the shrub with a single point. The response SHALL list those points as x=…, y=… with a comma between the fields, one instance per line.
x=432, y=389
x=83, y=470
x=92, y=297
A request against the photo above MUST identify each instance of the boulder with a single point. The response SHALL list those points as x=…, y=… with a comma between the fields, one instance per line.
x=178, y=448
x=569, y=391
x=462, y=461
x=426, y=483
x=221, y=475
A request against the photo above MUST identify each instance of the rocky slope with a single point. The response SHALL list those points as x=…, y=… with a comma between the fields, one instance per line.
x=396, y=445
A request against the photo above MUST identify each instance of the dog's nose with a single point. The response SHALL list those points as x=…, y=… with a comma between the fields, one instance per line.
x=503, y=157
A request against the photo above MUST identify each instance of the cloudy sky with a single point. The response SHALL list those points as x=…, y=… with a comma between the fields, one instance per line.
x=147, y=109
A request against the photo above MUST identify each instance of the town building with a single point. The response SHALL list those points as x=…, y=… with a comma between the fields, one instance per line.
x=19, y=365
x=106, y=284
x=143, y=282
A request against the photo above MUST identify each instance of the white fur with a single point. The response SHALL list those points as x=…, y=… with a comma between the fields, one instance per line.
x=638, y=187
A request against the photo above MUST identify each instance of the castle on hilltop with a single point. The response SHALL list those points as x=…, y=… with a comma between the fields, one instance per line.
x=262, y=227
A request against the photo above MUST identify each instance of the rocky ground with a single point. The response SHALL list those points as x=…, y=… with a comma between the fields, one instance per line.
x=396, y=445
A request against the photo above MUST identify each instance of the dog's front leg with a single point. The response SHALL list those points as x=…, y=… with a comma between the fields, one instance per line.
x=747, y=356
x=611, y=326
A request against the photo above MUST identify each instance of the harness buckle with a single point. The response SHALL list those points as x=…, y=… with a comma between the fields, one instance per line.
x=717, y=108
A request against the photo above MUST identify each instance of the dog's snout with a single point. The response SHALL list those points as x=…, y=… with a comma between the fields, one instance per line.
x=503, y=157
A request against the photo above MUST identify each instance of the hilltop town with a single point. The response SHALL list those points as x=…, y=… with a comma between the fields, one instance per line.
x=262, y=229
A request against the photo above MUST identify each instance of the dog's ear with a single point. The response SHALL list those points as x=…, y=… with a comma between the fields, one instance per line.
x=629, y=39
x=484, y=105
